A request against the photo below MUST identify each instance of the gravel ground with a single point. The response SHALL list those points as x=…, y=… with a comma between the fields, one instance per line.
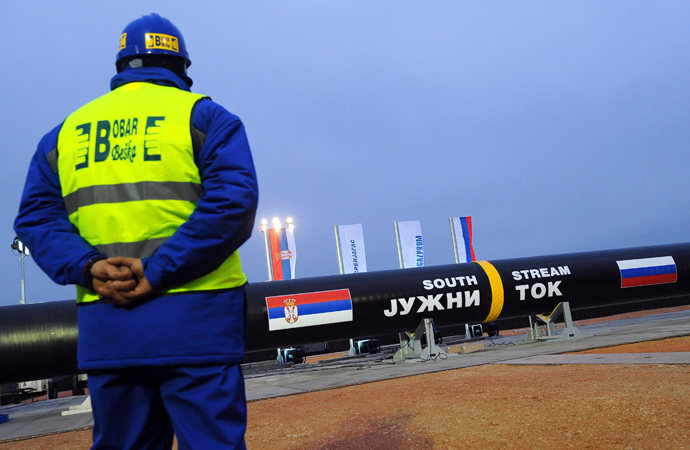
x=493, y=406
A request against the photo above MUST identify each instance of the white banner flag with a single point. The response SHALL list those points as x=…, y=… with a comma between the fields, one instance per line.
x=350, y=241
x=410, y=244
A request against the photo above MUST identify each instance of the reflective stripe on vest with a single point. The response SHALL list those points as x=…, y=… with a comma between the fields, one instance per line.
x=128, y=177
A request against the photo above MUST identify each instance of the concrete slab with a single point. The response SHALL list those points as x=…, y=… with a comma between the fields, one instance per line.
x=42, y=417
x=312, y=377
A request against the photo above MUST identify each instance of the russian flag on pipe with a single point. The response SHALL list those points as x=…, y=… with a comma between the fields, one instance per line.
x=461, y=230
x=308, y=309
x=283, y=255
x=647, y=271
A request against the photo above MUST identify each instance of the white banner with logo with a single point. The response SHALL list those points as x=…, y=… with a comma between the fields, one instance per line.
x=410, y=244
x=350, y=242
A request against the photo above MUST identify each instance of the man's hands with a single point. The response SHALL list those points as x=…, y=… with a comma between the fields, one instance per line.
x=120, y=280
x=109, y=278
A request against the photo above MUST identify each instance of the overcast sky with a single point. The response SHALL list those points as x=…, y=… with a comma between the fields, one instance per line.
x=558, y=126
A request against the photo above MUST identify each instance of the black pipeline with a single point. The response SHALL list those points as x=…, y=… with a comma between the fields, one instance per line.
x=397, y=300
x=39, y=340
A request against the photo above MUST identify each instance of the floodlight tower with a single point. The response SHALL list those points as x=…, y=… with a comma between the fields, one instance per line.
x=22, y=250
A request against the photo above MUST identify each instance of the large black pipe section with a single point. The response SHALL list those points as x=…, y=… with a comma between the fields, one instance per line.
x=39, y=341
x=397, y=300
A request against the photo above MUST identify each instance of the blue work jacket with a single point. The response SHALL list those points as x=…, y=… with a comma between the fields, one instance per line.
x=184, y=328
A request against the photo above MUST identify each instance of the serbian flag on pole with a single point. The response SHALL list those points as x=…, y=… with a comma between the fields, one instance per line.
x=283, y=256
x=461, y=231
x=647, y=271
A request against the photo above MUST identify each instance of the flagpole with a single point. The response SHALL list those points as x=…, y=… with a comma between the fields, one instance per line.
x=397, y=242
x=264, y=230
x=339, y=250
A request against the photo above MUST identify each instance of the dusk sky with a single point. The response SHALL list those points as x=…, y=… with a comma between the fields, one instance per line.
x=559, y=127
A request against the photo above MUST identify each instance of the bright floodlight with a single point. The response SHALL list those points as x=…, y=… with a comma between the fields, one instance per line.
x=20, y=247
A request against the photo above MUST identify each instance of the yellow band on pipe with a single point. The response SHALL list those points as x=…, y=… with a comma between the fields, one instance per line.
x=497, y=295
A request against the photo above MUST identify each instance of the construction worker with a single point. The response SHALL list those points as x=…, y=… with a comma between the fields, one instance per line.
x=142, y=198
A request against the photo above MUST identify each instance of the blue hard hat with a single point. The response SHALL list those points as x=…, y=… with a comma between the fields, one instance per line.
x=152, y=35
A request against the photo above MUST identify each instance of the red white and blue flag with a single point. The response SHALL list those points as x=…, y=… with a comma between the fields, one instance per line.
x=283, y=255
x=461, y=230
x=647, y=271
x=308, y=309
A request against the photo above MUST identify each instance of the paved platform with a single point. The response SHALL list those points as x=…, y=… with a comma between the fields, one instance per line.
x=503, y=350
x=43, y=417
x=46, y=417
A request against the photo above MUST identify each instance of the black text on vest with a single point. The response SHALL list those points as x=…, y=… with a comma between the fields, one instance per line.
x=116, y=140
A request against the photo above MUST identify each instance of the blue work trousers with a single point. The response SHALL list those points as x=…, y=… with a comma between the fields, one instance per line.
x=141, y=408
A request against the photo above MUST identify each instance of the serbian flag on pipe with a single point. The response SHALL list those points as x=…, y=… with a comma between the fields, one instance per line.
x=283, y=256
x=461, y=231
x=647, y=271
x=308, y=309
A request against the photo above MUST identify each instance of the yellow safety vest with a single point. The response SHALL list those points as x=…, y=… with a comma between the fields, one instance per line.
x=128, y=176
